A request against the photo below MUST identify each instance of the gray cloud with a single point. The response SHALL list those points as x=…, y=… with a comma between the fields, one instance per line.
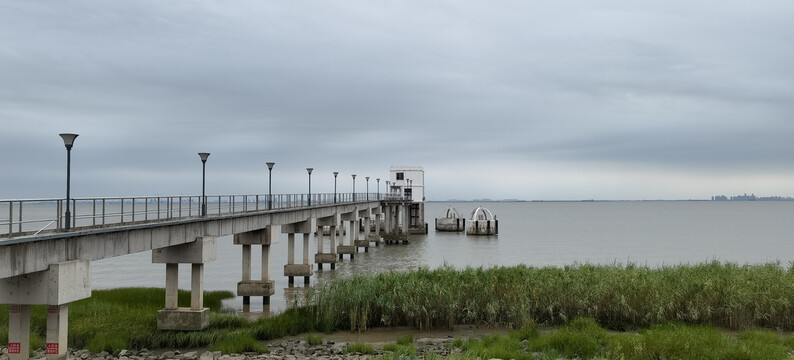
x=674, y=88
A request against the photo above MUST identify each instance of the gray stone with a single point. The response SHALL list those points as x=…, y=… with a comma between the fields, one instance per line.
x=169, y=355
x=206, y=356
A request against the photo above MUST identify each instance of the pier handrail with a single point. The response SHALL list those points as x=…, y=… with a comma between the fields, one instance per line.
x=20, y=217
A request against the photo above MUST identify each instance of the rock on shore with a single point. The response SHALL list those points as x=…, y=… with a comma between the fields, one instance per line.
x=280, y=350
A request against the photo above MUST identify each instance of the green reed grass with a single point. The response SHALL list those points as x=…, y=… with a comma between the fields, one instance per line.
x=314, y=339
x=617, y=297
x=400, y=350
x=237, y=342
x=359, y=347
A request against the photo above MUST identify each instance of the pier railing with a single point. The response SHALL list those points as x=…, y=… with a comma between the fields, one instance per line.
x=23, y=217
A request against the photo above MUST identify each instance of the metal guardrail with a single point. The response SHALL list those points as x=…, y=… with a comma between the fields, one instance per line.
x=21, y=217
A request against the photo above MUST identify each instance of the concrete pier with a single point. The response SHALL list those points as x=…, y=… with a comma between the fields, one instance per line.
x=291, y=269
x=397, y=220
x=330, y=257
x=62, y=284
x=363, y=218
x=196, y=317
x=351, y=218
x=373, y=236
x=264, y=287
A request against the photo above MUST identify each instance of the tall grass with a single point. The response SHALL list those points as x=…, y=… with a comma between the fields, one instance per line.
x=617, y=297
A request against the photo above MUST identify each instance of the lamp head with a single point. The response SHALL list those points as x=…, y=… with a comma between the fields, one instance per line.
x=270, y=165
x=354, y=176
x=68, y=140
x=204, y=156
x=336, y=173
x=309, y=170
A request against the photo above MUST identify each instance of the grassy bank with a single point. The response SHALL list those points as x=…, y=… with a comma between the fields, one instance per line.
x=116, y=319
x=127, y=319
x=582, y=338
x=617, y=297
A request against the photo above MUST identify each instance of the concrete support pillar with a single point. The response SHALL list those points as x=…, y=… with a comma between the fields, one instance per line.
x=56, y=287
x=57, y=331
x=265, y=276
x=171, y=285
x=306, y=248
x=353, y=225
x=291, y=269
x=387, y=217
x=306, y=255
x=246, y=262
x=264, y=286
x=196, y=253
x=406, y=212
x=333, y=244
x=19, y=332
x=377, y=227
x=197, y=287
x=290, y=248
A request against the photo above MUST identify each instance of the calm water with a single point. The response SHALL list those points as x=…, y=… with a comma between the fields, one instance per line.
x=531, y=233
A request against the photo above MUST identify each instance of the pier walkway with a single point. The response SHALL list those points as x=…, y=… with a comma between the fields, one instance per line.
x=44, y=261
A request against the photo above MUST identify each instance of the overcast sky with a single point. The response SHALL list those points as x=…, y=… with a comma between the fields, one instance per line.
x=558, y=99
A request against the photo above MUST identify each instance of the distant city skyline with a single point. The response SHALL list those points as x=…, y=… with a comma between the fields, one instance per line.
x=526, y=100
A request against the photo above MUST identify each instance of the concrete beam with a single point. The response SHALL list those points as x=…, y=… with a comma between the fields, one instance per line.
x=202, y=250
x=351, y=215
x=306, y=226
x=329, y=220
x=63, y=283
x=266, y=236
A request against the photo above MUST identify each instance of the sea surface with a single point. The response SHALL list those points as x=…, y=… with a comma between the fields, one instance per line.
x=652, y=233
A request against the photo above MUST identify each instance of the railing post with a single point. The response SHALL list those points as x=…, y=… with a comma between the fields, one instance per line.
x=11, y=218
x=93, y=216
x=103, y=212
x=60, y=207
x=74, y=214
x=133, y=209
x=122, y=211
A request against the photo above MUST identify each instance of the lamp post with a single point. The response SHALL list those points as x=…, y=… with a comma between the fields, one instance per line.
x=378, y=180
x=309, y=170
x=203, y=157
x=388, y=189
x=68, y=141
x=354, y=187
x=367, y=177
x=270, y=185
x=335, y=174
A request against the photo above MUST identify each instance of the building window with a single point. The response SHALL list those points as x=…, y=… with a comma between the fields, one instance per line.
x=408, y=193
x=400, y=176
